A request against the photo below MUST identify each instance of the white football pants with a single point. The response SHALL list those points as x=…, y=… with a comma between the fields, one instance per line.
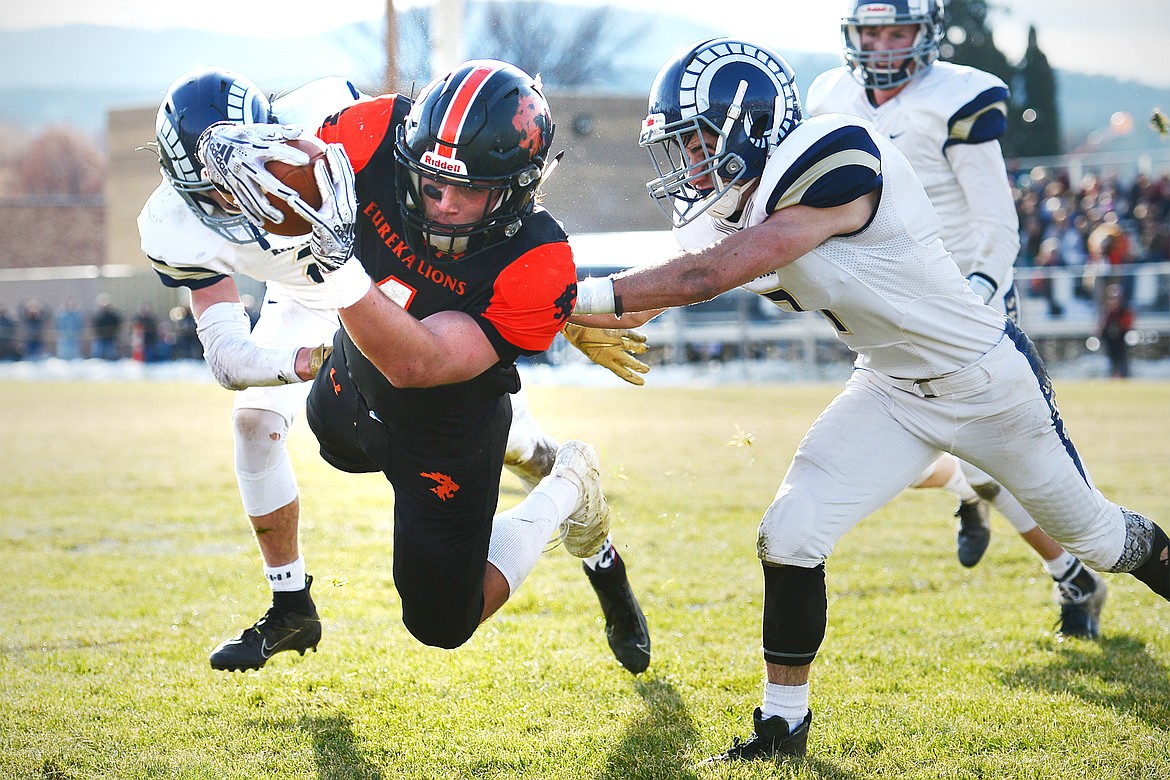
x=876, y=437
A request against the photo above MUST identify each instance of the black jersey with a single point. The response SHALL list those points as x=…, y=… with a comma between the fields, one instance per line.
x=519, y=292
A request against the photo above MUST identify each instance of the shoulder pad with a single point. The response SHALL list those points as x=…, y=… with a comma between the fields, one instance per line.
x=982, y=119
x=839, y=166
x=822, y=89
x=308, y=105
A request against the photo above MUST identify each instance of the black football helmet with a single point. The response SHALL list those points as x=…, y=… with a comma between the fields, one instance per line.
x=484, y=126
x=194, y=102
x=891, y=68
x=742, y=93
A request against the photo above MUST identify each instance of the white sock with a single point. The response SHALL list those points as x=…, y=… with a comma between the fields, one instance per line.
x=288, y=577
x=1060, y=565
x=563, y=492
x=604, y=557
x=520, y=535
x=959, y=486
x=788, y=701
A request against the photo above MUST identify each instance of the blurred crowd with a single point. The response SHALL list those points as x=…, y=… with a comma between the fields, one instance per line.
x=35, y=331
x=1092, y=227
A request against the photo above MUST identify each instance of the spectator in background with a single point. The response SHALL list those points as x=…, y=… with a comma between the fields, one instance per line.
x=187, y=344
x=69, y=323
x=1109, y=247
x=1113, y=327
x=1063, y=227
x=33, y=317
x=107, y=327
x=1048, y=259
x=144, y=328
x=9, y=343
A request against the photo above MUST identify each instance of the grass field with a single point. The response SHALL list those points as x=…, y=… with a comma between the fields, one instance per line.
x=126, y=558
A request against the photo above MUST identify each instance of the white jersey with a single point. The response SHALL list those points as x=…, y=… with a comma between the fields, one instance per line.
x=185, y=253
x=891, y=291
x=947, y=122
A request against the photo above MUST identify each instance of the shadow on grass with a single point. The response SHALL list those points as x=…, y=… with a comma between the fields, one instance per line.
x=338, y=752
x=655, y=747
x=1114, y=672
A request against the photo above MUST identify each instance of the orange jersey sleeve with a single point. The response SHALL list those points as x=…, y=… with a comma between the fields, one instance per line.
x=534, y=296
x=363, y=127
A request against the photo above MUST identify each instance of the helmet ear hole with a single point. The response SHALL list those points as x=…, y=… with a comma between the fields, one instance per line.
x=760, y=125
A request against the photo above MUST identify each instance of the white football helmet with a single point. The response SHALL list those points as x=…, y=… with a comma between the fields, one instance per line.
x=891, y=68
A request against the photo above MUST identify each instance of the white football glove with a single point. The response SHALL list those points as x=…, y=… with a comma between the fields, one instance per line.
x=333, y=223
x=233, y=158
x=613, y=348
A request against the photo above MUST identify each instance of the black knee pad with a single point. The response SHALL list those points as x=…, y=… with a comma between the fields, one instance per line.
x=795, y=613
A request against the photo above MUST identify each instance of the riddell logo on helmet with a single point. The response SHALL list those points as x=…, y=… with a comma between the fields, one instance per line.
x=445, y=164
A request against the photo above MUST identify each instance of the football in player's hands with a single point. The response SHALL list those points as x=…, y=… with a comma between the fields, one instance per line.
x=301, y=179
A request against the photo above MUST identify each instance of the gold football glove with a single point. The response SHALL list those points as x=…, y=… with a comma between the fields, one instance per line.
x=613, y=348
x=317, y=357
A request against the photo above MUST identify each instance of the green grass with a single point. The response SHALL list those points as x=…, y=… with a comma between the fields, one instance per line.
x=126, y=558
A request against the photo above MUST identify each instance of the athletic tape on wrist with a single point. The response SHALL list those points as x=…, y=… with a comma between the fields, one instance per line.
x=595, y=296
x=348, y=284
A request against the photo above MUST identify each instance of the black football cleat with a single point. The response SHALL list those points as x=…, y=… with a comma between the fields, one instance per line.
x=279, y=630
x=625, y=624
x=771, y=739
x=1081, y=593
x=974, y=531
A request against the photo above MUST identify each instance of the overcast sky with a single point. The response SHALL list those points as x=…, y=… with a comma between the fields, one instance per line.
x=1126, y=39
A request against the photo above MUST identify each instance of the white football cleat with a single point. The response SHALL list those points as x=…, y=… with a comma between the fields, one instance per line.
x=587, y=527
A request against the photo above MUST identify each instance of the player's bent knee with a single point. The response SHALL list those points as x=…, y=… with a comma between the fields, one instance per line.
x=1141, y=536
x=784, y=533
x=264, y=471
x=436, y=629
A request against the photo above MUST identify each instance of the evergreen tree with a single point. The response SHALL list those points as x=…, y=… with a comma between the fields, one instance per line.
x=1033, y=123
x=968, y=40
x=1034, y=101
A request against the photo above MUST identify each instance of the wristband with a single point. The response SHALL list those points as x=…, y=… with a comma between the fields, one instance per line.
x=595, y=296
x=348, y=284
x=983, y=286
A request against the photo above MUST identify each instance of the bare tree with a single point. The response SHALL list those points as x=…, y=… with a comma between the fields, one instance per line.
x=536, y=37
x=61, y=161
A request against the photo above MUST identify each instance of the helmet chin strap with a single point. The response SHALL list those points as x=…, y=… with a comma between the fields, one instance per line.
x=726, y=203
x=733, y=112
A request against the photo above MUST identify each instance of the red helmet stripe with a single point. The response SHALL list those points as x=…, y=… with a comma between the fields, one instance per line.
x=456, y=114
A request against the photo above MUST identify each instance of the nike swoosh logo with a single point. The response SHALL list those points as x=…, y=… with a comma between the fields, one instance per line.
x=897, y=135
x=267, y=650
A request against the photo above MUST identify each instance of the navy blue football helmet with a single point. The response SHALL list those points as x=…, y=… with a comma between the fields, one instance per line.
x=194, y=102
x=889, y=68
x=483, y=126
x=742, y=94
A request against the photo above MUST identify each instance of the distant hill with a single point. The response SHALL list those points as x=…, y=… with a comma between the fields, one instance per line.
x=75, y=74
